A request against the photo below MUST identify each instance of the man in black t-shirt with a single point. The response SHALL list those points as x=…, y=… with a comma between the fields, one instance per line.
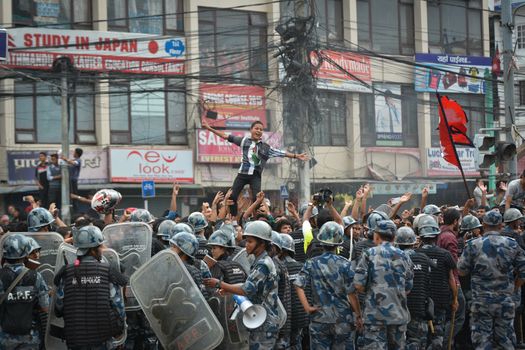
x=41, y=179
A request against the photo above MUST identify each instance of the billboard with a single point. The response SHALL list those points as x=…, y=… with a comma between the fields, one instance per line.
x=437, y=166
x=334, y=69
x=388, y=115
x=137, y=165
x=237, y=106
x=213, y=149
x=451, y=73
x=38, y=48
x=21, y=166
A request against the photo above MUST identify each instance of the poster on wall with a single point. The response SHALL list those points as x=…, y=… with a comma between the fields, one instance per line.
x=388, y=115
x=451, y=73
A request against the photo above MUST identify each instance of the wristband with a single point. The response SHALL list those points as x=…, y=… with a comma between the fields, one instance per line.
x=218, y=285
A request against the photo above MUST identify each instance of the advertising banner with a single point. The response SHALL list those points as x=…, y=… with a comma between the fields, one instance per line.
x=237, y=106
x=21, y=167
x=213, y=149
x=37, y=48
x=136, y=165
x=333, y=73
x=451, y=73
x=388, y=114
x=437, y=166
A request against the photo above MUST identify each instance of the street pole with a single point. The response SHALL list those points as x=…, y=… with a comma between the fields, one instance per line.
x=65, y=207
x=507, y=25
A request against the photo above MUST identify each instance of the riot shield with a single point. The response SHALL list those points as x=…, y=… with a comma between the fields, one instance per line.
x=244, y=260
x=55, y=325
x=174, y=306
x=49, y=241
x=132, y=242
x=66, y=254
x=236, y=335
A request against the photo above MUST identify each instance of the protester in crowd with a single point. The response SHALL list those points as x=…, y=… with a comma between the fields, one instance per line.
x=41, y=179
x=54, y=178
x=515, y=194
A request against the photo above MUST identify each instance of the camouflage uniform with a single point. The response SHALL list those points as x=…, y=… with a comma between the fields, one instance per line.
x=386, y=274
x=261, y=288
x=31, y=341
x=493, y=261
x=332, y=326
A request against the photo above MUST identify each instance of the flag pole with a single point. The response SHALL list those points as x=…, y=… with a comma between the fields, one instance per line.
x=453, y=146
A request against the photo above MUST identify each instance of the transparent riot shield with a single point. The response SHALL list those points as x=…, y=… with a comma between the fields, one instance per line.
x=244, y=260
x=132, y=242
x=49, y=241
x=55, y=325
x=66, y=254
x=174, y=306
x=236, y=335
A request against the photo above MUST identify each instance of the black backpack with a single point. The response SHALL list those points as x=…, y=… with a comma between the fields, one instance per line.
x=16, y=312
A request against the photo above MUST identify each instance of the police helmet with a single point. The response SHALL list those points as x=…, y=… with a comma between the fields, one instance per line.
x=186, y=242
x=512, y=214
x=165, y=229
x=181, y=227
x=276, y=240
x=198, y=221
x=287, y=243
x=384, y=208
x=431, y=209
x=374, y=218
x=331, y=234
x=87, y=237
x=386, y=227
x=39, y=217
x=105, y=200
x=142, y=215
x=33, y=244
x=220, y=238
x=492, y=218
x=16, y=246
x=468, y=223
x=258, y=229
x=427, y=226
x=405, y=236
x=348, y=221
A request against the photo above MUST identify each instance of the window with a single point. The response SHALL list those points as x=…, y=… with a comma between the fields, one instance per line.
x=474, y=107
x=148, y=112
x=56, y=14
x=520, y=36
x=392, y=33
x=522, y=92
x=454, y=27
x=329, y=15
x=233, y=44
x=38, y=114
x=146, y=16
x=374, y=108
x=330, y=130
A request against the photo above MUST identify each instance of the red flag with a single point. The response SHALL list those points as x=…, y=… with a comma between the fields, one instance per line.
x=452, y=129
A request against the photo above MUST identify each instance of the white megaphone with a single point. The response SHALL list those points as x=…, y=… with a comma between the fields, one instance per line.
x=253, y=315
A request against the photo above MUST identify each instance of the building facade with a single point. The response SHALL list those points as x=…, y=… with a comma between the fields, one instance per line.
x=147, y=73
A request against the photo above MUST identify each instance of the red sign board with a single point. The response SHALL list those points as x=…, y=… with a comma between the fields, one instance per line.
x=213, y=149
x=237, y=106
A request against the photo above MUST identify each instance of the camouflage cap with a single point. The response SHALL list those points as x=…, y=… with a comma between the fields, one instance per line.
x=492, y=218
x=331, y=234
x=16, y=246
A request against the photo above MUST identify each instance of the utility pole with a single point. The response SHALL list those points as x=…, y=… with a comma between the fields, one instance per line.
x=63, y=65
x=507, y=25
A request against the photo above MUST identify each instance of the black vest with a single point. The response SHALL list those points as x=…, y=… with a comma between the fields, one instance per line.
x=314, y=248
x=360, y=246
x=298, y=241
x=17, y=310
x=285, y=293
x=299, y=317
x=203, y=249
x=88, y=316
x=417, y=298
x=230, y=271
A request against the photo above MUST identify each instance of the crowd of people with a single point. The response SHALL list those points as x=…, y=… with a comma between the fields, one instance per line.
x=388, y=277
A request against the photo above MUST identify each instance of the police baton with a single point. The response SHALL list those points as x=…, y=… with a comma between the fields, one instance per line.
x=431, y=326
x=451, y=333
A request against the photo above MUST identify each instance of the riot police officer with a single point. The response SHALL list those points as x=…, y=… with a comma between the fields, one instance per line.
x=384, y=274
x=164, y=231
x=284, y=291
x=417, y=328
x=330, y=275
x=89, y=296
x=23, y=294
x=39, y=220
x=371, y=223
x=513, y=219
x=350, y=238
x=199, y=223
x=260, y=286
x=223, y=267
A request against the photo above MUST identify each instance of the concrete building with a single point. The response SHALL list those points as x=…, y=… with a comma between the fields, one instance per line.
x=176, y=61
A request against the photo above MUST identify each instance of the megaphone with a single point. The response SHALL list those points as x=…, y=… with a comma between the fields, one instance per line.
x=253, y=315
